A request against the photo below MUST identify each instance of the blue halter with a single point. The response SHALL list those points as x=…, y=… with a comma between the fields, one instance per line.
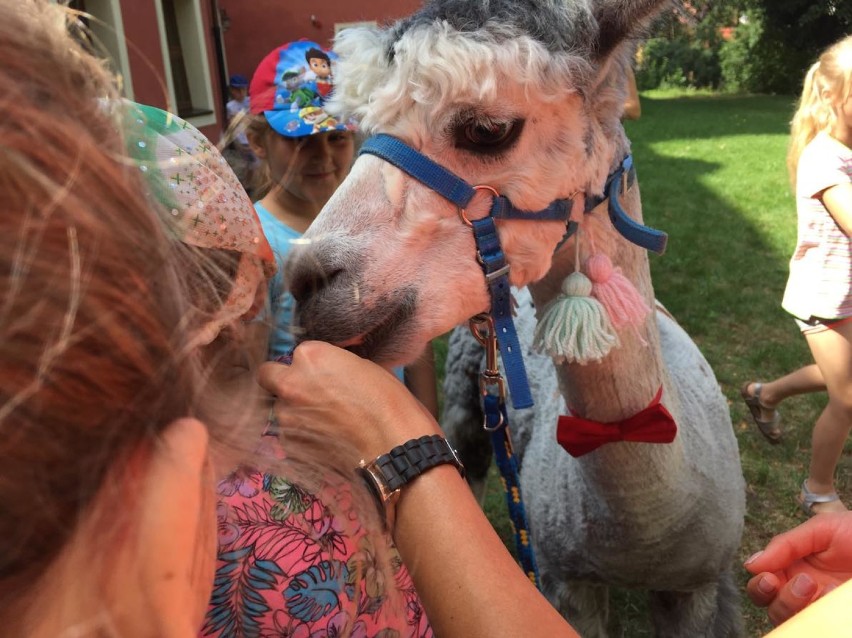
x=634, y=232
x=489, y=251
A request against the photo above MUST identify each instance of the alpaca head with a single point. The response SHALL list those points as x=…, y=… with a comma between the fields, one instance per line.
x=524, y=96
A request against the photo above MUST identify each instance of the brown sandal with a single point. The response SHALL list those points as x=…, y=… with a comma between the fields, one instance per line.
x=768, y=428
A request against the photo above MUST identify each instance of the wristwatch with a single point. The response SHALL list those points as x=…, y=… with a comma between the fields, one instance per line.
x=387, y=474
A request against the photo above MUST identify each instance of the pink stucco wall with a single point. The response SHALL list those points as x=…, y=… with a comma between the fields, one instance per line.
x=258, y=26
x=145, y=56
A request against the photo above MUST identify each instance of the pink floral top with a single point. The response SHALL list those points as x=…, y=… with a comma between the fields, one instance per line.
x=289, y=567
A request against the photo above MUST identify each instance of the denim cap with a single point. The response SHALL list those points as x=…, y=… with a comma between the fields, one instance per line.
x=290, y=87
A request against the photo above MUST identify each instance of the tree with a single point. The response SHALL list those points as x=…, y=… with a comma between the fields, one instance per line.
x=780, y=39
x=684, y=47
x=774, y=42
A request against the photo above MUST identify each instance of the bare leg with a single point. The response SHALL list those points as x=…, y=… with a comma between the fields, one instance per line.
x=802, y=381
x=832, y=351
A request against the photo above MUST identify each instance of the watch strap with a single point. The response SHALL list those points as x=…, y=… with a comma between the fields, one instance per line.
x=407, y=461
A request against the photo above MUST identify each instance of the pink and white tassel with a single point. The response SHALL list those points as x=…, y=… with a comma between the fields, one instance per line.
x=623, y=303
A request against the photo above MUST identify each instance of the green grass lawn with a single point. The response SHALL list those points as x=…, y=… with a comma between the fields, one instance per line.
x=712, y=174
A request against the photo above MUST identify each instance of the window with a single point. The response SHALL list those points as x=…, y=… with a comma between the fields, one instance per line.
x=105, y=37
x=339, y=26
x=185, y=57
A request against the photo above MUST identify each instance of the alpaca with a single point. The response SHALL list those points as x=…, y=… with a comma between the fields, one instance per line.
x=524, y=96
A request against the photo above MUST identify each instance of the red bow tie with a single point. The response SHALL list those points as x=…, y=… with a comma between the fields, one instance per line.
x=580, y=436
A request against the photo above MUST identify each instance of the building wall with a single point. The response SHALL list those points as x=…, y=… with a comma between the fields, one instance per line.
x=143, y=52
x=258, y=26
x=147, y=66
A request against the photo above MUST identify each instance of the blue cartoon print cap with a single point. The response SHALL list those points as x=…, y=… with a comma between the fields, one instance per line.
x=290, y=87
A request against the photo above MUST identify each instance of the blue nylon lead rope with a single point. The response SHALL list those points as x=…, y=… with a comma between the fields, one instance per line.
x=507, y=463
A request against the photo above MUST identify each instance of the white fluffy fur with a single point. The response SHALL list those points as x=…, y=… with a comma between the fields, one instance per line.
x=438, y=69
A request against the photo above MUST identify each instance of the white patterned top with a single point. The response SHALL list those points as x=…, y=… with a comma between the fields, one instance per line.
x=820, y=283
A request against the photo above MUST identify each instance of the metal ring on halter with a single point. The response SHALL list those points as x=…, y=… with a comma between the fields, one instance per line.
x=478, y=187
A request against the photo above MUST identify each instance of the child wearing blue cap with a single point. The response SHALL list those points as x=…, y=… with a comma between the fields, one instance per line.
x=237, y=151
x=306, y=154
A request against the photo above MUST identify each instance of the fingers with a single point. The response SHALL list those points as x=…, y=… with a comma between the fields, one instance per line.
x=782, y=600
x=316, y=362
x=792, y=598
x=329, y=389
x=763, y=588
x=272, y=376
x=789, y=599
x=812, y=537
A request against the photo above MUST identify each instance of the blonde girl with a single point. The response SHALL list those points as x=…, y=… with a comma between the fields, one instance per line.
x=819, y=289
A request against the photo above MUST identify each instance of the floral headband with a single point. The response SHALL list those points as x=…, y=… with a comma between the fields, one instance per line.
x=206, y=205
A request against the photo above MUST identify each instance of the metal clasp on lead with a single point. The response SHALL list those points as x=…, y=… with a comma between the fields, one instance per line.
x=482, y=329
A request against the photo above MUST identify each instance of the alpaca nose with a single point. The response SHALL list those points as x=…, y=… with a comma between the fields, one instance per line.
x=307, y=275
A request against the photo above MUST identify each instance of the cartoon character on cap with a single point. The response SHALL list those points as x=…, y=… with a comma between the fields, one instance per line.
x=300, y=96
x=291, y=78
x=320, y=65
x=321, y=120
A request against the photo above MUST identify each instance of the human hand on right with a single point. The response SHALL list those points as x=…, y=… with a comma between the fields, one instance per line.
x=801, y=565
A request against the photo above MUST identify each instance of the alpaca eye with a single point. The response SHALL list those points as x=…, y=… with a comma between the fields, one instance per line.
x=486, y=136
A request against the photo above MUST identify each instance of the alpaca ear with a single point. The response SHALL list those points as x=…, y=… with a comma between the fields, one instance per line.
x=619, y=21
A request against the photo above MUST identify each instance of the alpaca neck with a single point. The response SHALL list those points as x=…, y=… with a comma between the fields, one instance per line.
x=626, y=380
